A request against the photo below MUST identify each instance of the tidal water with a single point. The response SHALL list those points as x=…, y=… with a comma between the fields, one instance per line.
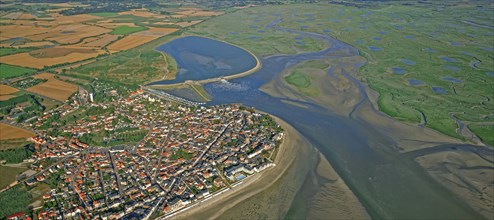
x=389, y=185
x=203, y=58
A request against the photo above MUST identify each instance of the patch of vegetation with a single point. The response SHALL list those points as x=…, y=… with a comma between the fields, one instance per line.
x=9, y=71
x=486, y=133
x=4, y=51
x=14, y=200
x=181, y=154
x=28, y=82
x=105, y=14
x=16, y=155
x=298, y=79
x=122, y=30
x=133, y=67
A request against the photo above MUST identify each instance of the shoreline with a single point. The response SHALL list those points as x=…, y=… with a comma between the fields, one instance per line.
x=209, y=80
x=250, y=186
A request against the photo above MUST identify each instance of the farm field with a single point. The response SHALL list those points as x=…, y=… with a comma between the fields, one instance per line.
x=50, y=56
x=9, y=71
x=129, y=42
x=7, y=51
x=16, y=45
x=9, y=174
x=122, y=30
x=11, y=132
x=53, y=88
x=7, y=92
x=34, y=30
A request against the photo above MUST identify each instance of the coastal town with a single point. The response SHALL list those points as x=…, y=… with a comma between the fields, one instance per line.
x=137, y=154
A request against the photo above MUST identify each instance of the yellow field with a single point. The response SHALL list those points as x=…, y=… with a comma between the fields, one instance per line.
x=26, y=60
x=13, y=31
x=53, y=88
x=69, y=34
x=156, y=32
x=10, y=132
x=129, y=42
x=102, y=41
x=7, y=90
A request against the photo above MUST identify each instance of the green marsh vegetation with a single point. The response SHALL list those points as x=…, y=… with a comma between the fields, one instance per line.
x=449, y=55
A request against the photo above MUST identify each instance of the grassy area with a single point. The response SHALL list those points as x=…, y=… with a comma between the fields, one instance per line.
x=14, y=200
x=246, y=29
x=298, y=79
x=135, y=66
x=105, y=14
x=9, y=71
x=120, y=30
x=8, y=175
x=4, y=51
x=486, y=133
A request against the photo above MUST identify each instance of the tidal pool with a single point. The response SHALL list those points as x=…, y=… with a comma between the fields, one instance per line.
x=415, y=82
x=451, y=79
x=398, y=70
x=374, y=48
x=439, y=90
x=408, y=62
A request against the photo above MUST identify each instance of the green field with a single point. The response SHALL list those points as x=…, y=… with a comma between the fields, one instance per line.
x=298, y=79
x=4, y=51
x=9, y=71
x=105, y=14
x=8, y=175
x=127, y=30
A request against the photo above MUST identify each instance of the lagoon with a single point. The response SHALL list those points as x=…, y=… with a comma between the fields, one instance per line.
x=203, y=58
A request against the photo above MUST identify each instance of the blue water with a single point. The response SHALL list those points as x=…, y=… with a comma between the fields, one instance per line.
x=439, y=90
x=383, y=32
x=374, y=48
x=415, y=82
x=376, y=38
x=398, y=70
x=451, y=79
x=449, y=67
x=202, y=58
x=408, y=62
x=491, y=74
x=410, y=37
x=448, y=59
